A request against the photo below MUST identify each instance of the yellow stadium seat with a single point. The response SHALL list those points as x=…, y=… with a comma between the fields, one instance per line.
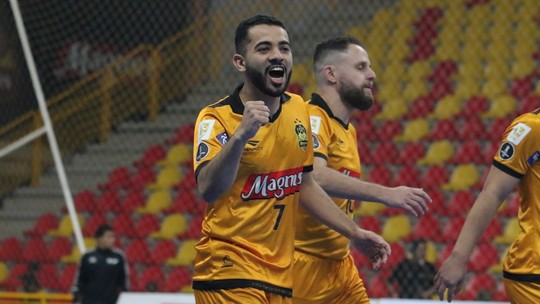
x=415, y=89
x=388, y=90
x=167, y=177
x=462, y=178
x=470, y=68
x=75, y=256
x=369, y=208
x=494, y=87
x=177, y=155
x=523, y=67
x=185, y=256
x=157, y=201
x=65, y=227
x=392, y=73
x=3, y=272
x=431, y=252
x=437, y=153
x=447, y=107
x=392, y=109
x=510, y=233
x=496, y=69
x=396, y=228
x=501, y=106
x=172, y=226
x=419, y=70
x=467, y=87
x=414, y=130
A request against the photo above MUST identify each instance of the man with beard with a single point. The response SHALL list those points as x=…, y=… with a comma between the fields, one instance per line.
x=252, y=165
x=324, y=271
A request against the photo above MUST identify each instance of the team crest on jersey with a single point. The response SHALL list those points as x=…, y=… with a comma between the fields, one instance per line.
x=506, y=151
x=227, y=262
x=316, y=143
x=301, y=135
x=202, y=151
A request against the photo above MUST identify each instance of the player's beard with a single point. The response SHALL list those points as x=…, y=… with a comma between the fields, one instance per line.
x=259, y=80
x=355, y=96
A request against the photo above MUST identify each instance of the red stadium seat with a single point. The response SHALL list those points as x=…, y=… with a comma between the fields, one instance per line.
x=500, y=294
x=460, y=203
x=529, y=104
x=14, y=280
x=522, y=88
x=123, y=226
x=512, y=207
x=474, y=106
x=47, y=276
x=118, y=178
x=427, y=228
x=67, y=277
x=84, y=201
x=451, y=230
x=365, y=153
x=411, y=152
x=151, y=156
x=93, y=223
x=144, y=176
x=194, y=229
x=35, y=250
x=496, y=129
x=44, y=223
x=377, y=288
x=483, y=257
x=443, y=71
x=11, y=249
x=138, y=252
x=434, y=177
x=381, y=175
x=146, y=224
x=133, y=199
x=177, y=278
x=134, y=279
x=444, y=129
x=473, y=129
x=184, y=134
x=398, y=255
x=481, y=282
x=370, y=223
x=185, y=202
x=389, y=129
x=152, y=274
x=163, y=250
x=408, y=175
x=438, y=202
x=421, y=107
x=109, y=201
x=440, y=89
x=493, y=230
x=59, y=247
x=385, y=153
x=366, y=130
x=469, y=151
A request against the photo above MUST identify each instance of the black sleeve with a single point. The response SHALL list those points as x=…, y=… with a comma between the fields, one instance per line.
x=124, y=273
x=81, y=279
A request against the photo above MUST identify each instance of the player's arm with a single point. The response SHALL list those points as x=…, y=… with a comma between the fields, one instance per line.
x=497, y=187
x=319, y=205
x=336, y=184
x=218, y=175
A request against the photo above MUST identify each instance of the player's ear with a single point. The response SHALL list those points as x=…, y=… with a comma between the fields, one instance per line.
x=329, y=73
x=239, y=62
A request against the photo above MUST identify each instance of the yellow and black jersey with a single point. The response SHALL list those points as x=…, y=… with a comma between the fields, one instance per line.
x=519, y=156
x=335, y=141
x=248, y=232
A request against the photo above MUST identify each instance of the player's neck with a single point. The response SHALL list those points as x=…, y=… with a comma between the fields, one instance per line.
x=339, y=108
x=249, y=92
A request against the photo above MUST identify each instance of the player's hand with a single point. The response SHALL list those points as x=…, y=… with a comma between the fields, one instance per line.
x=256, y=114
x=450, y=277
x=413, y=200
x=372, y=245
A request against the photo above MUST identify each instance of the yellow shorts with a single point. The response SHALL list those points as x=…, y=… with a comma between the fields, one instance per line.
x=239, y=296
x=522, y=292
x=323, y=281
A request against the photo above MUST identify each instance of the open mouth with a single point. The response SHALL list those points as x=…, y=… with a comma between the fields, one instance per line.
x=276, y=73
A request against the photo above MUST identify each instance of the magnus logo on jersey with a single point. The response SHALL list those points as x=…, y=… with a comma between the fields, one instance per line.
x=301, y=134
x=274, y=184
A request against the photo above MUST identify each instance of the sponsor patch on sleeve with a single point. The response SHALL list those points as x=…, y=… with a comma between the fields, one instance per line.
x=202, y=151
x=205, y=129
x=315, y=124
x=534, y=158
x=518, y=133
x=222, y=138
x=506, y=151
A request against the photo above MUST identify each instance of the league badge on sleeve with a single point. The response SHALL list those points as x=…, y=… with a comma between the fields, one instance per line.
x=202, y=151
x=316, y=143
x=518, y=133
x=205, y=129
x=506, y=151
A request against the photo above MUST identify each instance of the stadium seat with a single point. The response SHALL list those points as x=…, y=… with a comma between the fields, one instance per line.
x=152, y=154
x=109, y=201
x=167, y=177
x=388, y=130
x=493, y=230
x=510, y=232
x=521, y=88
x=466, y=88
x=438, y=205
x=469, y=151
x=460, y=203
x=44, y=223
x=443, y=129
x=510, y=207
x=421, y=107
x=171, y=227
x=66, y=277
x=162, y=251
x=444, y=254
x=426, y=228
x=411, y=152
x=35, y=250
x=493, y=87
x=153, y=274
x=119, y=178
x=480, y=282
x=414, y=130
x=93, y=223
x=386, y=152
x=47, y=276
x=364, y=151
x=194, y=229
x=75, y=255
x=84, y=201
x=58, y=248
x=529, y=104
x=370, y=223
x=452, y=228
x=438, y=153
x=157, y=201
x=65, y=228
x=176, y=279
x=501, y=106
x=462, y=178
x=137, y=252
x=188, y=183
x=368, y=209
x=414, y=88
x=178, y=154
x=185, y=133
x=398, y=255
x=500, y=294
x=380, y=175
x=408, y=175
x=134, y=198
x=396, y=228
x=441, y=89
x=13, y=280
x=473, y=129
x=145, y=175
x=146, y=224
x=185, y=202
x=4, y=272
x=434, y=176
x=474, y=106
x=443, y=71
x=366, y=130
x=393, y=109
x=123, y=226
x=495, y=130
x=186, y=254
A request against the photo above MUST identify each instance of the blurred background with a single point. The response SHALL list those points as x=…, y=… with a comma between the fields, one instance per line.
x=125, y=79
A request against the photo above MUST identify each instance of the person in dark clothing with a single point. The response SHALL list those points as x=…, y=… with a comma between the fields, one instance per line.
x=103, y=272
x=413, y=277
